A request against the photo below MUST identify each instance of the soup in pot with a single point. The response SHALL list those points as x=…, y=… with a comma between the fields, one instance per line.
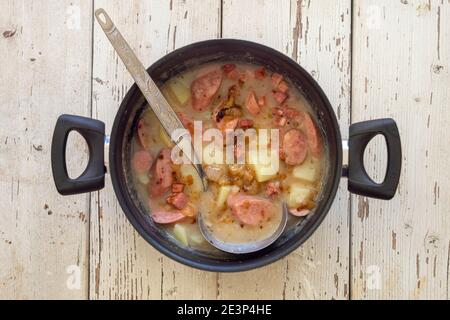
x=237, y=104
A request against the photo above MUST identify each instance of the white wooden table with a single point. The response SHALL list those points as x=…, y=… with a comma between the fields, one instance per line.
x=373, y=58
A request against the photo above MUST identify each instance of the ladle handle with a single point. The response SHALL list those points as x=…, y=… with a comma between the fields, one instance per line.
x=167, y=117
x=149, y=89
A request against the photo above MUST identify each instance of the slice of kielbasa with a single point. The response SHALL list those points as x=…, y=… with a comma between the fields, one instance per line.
x=178, y=200
x=252, y=104
x=283, y=87
x=292, y=113
x=300, y=212
x=227, y=68
x=273, y=189
x=314, y=140
x=142, y=161
x=295, y=147
x=250, y=210
x=162, y=174
x=167, y=217
x=230, y=71
x=276, y=79
x=260, y=73
x=280, y=97
x=246, y=123
x=204, y=88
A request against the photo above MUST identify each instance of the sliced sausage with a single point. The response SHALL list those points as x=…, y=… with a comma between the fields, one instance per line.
x=291, y=113
x=167, y=217
x=250, y=210
x=162, y=174
x=142, y=161
x=219, y=112
x=295, y=147
x=228, y=123
x=276, y=79
x=177, y=187
x=245, y=123
x=260, y=73
x=283, y=87
x=314, y=140
x=178, y=200
x=272, y=189
x=280, y=97
x=252, y=104
x=246, y=75
x=189, y=211
x=280, y=121
x=230, y=71
x=278, y=83
x=144, y=134
x=204, y=88
x=215, y=172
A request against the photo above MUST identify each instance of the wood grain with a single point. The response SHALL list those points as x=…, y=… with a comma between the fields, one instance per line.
x=56, y=60
x=400, y=248
x=317, y=35
x=45, y=71
x=123, y=265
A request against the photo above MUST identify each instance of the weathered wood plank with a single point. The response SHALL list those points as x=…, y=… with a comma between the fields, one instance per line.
x=123, y=265
x=46, y=50
x=400, y=248
x=317, y=34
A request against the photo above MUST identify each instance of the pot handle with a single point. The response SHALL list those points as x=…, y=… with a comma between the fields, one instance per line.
x=359, y=181
x=93, y=178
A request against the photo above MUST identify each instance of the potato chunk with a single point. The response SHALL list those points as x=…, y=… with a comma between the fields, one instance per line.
x=223, y=193
x=176, y=93
x=263, y=172
x=265, y=169
x=298, y=195
x=222, y=196
x=306, y=171
x=191, y=178
x=143, y=178
x=196, y=238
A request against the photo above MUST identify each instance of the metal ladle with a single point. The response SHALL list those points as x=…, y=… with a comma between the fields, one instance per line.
x=170, y=122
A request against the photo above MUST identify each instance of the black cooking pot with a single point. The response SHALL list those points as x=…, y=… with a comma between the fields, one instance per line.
x=125, y=123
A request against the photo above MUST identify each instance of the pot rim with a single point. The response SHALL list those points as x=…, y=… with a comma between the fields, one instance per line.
x=262, y=260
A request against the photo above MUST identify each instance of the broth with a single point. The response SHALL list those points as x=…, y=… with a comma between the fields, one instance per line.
x=242, y=204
